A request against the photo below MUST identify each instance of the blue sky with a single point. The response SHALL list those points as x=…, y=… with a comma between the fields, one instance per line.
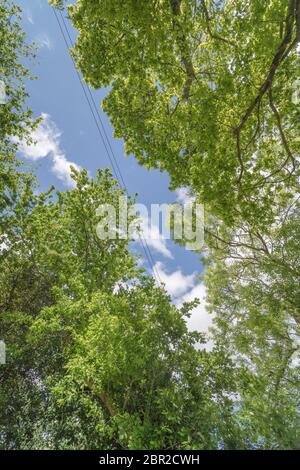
x=69, y=134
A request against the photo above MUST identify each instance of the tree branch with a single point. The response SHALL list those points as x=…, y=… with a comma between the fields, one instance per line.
x=286, y=46
x=281, y=132
x=185, y=58
x=282, y=52
x=212, y=34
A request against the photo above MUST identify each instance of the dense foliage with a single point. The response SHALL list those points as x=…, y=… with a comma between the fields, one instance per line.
x=97, y=354
x=15, y=119
x=209, y=91
x=203, y=90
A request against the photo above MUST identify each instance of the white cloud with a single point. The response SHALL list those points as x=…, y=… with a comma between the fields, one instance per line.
x=186, y=288
x=155, y=240
x=46, y=142
x=176, y=283
x=62, y=169
x=200, y=319
x=150, y=231
x=43, y=41
x=184, y=196
x=159, y=245
x=152, y=236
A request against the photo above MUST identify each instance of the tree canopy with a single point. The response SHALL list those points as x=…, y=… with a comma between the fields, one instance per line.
x=203, y=90
x=209, y=92
x=98, y=356
x=15, y=118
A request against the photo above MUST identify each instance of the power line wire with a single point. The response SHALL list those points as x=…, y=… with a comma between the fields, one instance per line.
x=102, y=132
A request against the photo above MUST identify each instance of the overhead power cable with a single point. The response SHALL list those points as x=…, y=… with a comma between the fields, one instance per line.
x=103, y=135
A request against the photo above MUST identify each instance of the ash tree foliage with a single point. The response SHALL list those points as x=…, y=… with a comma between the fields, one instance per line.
x=98, y=357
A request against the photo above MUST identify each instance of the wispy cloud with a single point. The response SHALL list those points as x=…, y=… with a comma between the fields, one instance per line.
x=43, y=40
x=29, y=16
x=46, y=143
